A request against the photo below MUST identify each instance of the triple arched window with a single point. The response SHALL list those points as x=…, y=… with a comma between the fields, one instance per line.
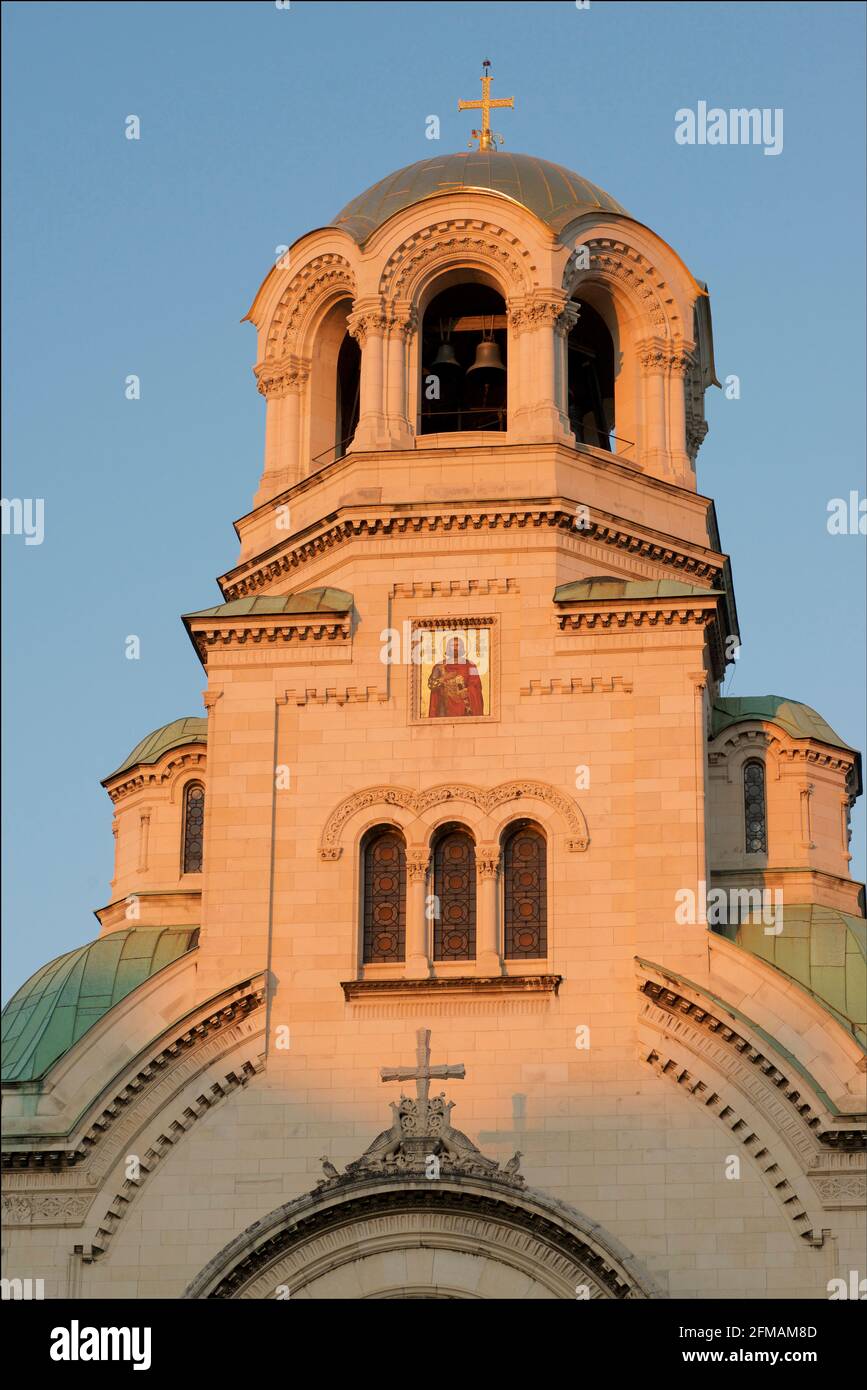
x=451, y=895
x=193, y=828
x=755, y=808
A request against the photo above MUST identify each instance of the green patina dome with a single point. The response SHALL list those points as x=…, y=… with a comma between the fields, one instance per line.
x=556, y=195
x=799, y=721
x=321, y=600
x=821, y=949
x=68, y=996
x=190, y=730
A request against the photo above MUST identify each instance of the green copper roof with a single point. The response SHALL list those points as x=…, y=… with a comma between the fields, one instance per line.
x=61, y=1001
x=603, y=586
x=174, y=735
x=821, y=949
x=555, y=194
x=800, y=721
x=309, y=601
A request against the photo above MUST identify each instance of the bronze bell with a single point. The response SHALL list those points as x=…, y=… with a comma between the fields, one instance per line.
x=487, y=355
x=445, y=356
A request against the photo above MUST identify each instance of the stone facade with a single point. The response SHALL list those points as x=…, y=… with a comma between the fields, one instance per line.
x=688, y=1119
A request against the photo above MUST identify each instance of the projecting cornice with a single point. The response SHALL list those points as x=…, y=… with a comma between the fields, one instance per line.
x=601, y=536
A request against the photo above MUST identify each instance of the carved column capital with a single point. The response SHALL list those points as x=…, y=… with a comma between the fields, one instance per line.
x=652, y=354
x=487, y=860
x=660, y=355
x=369, y=317
x=277, y=379
x=540, y=311
x=417, y=863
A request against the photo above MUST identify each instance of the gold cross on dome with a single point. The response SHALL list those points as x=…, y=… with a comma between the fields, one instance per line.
x=487, y=138
x=424, y=1072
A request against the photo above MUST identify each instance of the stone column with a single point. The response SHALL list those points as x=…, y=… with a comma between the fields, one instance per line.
x=535, y=323
x=402, y=325
x=143, y=837
x=368, y=325
x=282, y=384
x=417, y=966
x=488, y=953
x=562, y=328
x=653, y=356
x=679, y=364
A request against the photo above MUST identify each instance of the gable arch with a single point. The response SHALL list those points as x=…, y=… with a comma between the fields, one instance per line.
x=459, y=1237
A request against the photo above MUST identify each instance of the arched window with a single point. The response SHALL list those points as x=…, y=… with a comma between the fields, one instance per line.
x=335, y=381
x=755, y=808
x=194, y=826
x=454, y=877
x=383, y=858
x=591, y=379
x=348, y=392
x=525, y=893
x=464, y=346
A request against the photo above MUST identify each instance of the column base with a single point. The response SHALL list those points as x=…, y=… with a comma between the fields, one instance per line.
x=488, y=963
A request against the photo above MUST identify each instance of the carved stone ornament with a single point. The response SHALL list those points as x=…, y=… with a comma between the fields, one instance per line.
x=277, y=379
x=421, y=1131
x=538, y=312
x=323, y=277
x=451, y=242
x=485, y=799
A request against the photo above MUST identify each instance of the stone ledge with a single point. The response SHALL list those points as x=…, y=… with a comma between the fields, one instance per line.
x=454, y=984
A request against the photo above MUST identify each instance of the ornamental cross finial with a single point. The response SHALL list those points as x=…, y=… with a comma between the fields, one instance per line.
x=487, y=138
x=423, y=1073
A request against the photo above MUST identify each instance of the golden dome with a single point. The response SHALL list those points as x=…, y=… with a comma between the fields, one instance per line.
x=554, y=194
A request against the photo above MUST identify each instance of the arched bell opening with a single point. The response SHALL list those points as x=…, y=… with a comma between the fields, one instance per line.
x=590, y=380
x=335, y=383
x=348, y=392
x=464, y=360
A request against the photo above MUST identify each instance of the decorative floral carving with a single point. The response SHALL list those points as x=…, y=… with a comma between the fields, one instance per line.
x=277, y=379
x=417, y=862
x=320, y=277
x=617, y=261
x=842, y=1188
x=487, y=860
x=455, y=241
x=542, y=312
x=45, y=1208
x=485, y=800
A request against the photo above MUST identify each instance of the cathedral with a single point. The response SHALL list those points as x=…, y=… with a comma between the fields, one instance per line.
x=468, y=943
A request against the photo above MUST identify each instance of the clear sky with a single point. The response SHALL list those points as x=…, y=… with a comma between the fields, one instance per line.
x=258, y=124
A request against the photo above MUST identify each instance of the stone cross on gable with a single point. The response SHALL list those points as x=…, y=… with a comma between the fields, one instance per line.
x=423, y=1073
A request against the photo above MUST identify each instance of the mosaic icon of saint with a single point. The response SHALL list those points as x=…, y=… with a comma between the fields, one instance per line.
x=455, y=684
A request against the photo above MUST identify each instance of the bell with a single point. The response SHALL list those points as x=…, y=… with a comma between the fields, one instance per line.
x=487, y=355
x=446, y=356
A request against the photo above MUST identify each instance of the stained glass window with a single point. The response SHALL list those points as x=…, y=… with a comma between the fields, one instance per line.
x=454, y=864
x=525, y=894
x=384, y=871
x=194, y=826
x=755, y=811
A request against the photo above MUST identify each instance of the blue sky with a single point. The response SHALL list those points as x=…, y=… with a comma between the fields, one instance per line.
x=258, y=124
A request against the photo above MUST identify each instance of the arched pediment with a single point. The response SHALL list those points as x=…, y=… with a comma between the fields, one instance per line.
x=457, y=1237
x=485, y=799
